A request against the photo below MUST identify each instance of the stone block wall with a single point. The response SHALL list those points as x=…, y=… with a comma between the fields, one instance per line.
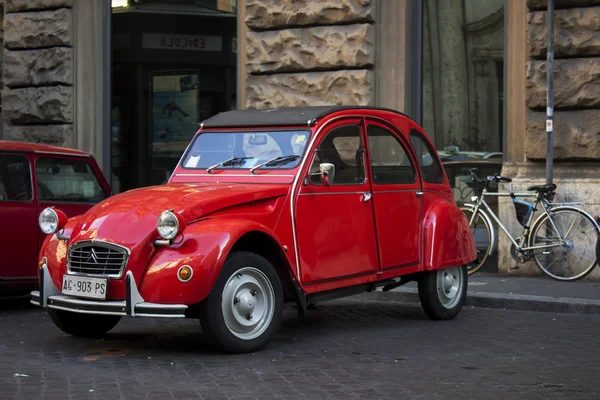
x=576, y=141
x=309, y=52
x=37, y=97
x=576, y=80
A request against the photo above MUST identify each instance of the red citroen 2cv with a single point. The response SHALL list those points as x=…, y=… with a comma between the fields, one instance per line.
x=266, y=207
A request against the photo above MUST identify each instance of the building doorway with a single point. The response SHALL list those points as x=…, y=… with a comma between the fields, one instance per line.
x=173, y=64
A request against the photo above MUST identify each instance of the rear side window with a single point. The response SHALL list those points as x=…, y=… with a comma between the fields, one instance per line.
x=430, y=167
x=69, y=180
x=15, y=178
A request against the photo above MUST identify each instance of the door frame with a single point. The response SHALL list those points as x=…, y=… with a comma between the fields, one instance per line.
x=303, y=176
x=407, y=147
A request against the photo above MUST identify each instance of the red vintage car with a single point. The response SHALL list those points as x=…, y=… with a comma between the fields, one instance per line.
x=33, y=177
x=266, y=207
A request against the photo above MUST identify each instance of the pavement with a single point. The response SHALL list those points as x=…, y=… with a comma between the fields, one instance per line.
x=344, y=349
x=494, y=290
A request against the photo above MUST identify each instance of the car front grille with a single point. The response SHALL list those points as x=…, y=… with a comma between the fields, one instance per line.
x=98, y=259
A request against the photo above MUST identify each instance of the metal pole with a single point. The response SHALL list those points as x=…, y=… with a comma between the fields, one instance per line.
x=550, y=94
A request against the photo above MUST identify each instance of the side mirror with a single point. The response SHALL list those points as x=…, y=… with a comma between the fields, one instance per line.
x=327, y=173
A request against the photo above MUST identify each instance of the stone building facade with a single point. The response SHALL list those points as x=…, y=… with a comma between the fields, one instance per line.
x=473, y=72
x=37, y=97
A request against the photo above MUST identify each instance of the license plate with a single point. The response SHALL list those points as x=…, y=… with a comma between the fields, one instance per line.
x=85, y=286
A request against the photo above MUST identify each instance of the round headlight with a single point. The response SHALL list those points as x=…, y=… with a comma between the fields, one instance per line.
x=48, y=221
x=168, y=225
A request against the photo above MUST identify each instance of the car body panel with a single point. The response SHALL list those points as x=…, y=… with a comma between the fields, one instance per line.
x=331, y=237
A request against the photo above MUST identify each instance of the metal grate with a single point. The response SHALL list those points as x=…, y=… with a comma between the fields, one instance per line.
x=97, y=258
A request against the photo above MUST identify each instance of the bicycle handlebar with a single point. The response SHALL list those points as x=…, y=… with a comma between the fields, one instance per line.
x=497, y=178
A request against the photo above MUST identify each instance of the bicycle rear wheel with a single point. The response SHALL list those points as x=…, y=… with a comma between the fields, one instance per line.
x=575, y=256
x=483, y=238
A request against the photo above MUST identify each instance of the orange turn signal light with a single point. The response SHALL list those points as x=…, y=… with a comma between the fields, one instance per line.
x=185, y=273
x=42, y=261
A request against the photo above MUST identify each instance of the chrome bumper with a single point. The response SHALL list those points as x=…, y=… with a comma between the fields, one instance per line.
x=133, y=306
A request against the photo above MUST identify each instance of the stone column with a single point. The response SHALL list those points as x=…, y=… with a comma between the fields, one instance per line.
x=38, y=71
x=577, y=112
x=307, y=52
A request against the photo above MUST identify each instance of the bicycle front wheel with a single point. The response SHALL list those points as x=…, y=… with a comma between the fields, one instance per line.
x=574, y=256
x=482, y=232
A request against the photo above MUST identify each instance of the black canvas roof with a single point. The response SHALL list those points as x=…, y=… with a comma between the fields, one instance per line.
x=292, y=116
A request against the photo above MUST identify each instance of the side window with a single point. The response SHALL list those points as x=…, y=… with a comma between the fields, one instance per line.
x=15, y=178
x=430, y=167
x=390, y=162
x=343, y=148
x=72, y=180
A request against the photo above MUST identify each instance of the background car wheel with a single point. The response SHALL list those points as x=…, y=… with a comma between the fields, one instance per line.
x=83, y=325
x=244, y=308
x=443, y=292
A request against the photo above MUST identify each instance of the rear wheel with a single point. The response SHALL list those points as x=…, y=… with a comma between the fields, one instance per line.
x=244, y=309
x=83, y=325
x=573, y=257
x=443, y=292
x=482, y=232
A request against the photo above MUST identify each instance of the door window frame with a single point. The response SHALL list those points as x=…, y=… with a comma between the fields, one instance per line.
x=31, y=178
x=95, y=172
x=348, y=121
x=406, y=146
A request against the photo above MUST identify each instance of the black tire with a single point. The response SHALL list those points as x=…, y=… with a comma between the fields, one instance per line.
x=482, y=253
x=430, y=293
x=242, y=264
x=83, y=325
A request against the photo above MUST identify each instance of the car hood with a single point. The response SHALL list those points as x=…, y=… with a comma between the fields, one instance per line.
x=130, y=218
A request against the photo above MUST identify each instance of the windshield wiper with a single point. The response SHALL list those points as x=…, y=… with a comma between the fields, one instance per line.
x=231, y=161
x=281, y=160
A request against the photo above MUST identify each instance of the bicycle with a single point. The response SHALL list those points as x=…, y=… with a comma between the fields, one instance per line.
x=547, y=240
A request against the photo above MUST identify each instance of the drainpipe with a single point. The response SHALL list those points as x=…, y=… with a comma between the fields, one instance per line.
x=550, y=94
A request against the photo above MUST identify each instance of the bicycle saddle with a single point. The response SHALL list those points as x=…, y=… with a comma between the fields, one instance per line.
x=543, y=188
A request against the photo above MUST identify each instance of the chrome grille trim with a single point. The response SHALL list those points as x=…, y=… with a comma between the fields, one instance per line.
x=109, y=260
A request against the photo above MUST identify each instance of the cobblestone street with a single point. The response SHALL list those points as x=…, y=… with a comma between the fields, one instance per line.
x=346, y=349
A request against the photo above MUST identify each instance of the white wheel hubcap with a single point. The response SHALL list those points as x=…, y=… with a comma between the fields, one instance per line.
x=248, y=303
x=449, y=286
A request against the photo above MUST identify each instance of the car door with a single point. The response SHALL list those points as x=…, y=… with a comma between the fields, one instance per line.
x=18, y=213
x=334, y=224
x=396, y=197
x=70, y=184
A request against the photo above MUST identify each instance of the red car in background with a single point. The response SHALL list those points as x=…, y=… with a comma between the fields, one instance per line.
x=265, y=207
x=32, y=177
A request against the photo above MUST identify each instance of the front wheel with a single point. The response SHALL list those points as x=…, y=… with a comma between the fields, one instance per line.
x=83, y=325
x=443, y=292
x=244, y=309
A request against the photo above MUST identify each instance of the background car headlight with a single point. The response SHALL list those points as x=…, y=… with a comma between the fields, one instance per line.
x=51, y=220
x=169, y=225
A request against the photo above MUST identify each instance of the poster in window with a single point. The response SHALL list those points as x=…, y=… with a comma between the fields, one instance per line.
x=174, y=113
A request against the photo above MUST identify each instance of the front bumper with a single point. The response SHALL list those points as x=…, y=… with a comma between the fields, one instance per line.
x=133, y=306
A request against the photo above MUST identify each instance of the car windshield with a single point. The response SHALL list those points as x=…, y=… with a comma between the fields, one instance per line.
x=245, y=150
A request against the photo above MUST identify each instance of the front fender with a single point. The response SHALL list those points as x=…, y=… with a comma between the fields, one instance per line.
x=205, y=247
x=447, y=237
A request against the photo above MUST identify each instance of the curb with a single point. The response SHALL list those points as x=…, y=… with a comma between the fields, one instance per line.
x=497, y=300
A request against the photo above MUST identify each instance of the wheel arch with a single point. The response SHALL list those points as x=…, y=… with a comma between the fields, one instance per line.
x=447, y=238
x=265, y=245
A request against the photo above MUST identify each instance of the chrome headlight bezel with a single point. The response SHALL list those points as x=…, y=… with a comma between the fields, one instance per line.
x=48, y=221
x=168, y=232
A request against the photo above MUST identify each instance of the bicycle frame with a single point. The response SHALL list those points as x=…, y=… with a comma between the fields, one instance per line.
x=526, y=230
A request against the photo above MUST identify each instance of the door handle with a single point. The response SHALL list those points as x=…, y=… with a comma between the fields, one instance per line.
x=367, y=196
x=418, y=193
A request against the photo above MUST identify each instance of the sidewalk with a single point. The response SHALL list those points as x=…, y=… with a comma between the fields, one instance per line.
x=493, y=290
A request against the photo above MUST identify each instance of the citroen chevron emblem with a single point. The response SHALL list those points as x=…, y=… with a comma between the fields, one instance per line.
x=92, y=257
